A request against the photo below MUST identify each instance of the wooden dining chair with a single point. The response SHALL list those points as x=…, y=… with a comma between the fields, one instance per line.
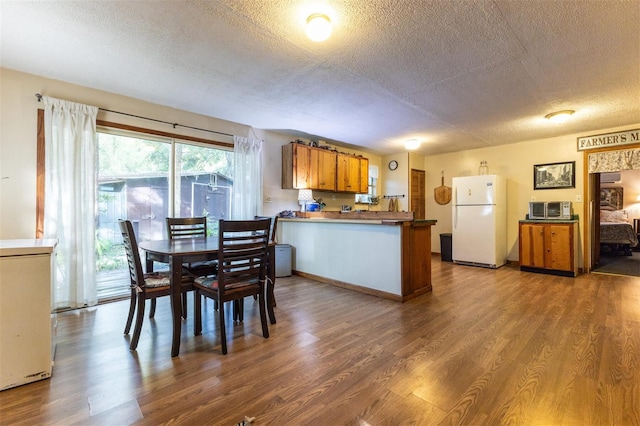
x=144, y=286
x=191, y=227
x=271, y=264
x=273, y=227
x=242, y=269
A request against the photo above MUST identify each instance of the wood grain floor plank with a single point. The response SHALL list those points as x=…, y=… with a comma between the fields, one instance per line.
x=485, y=347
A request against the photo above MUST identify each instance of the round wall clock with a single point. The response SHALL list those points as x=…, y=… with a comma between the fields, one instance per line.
x=393, y=164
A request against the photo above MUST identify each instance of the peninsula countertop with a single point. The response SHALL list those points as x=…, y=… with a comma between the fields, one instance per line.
x=365, y=217
x=385, y=254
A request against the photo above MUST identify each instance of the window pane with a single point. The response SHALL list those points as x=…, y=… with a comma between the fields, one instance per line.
x=134, y=176
x=204, y=187
x=133, y=184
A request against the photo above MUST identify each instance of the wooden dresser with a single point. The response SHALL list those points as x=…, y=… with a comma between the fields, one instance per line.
x=549, y=246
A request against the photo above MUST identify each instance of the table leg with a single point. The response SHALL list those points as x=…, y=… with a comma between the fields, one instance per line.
x=176, y=302
x=271, y=273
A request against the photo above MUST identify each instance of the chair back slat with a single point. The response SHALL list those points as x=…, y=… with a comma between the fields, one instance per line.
x=132, y=252
x=186, y=227
x=273, y=228
x=242, y=251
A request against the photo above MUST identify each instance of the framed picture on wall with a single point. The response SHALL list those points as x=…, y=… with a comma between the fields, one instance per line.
x=554, y=175
x=611, y=198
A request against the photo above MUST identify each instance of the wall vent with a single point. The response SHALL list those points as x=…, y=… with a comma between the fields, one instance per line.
x=610, y=177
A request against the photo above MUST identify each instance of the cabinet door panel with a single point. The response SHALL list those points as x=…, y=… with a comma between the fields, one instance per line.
x=302, y=167
x=532, y=248
x=326, y=170
x=560, y=254
x=364, y=176
x=348, y=173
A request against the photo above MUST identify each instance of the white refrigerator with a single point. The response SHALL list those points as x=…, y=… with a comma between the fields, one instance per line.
x=479, y=222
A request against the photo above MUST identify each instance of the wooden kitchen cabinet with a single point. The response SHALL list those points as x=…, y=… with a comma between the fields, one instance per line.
x=295, y=166
x=549, y=247
x=352, y=174
x=364, y=176
x=322, y=169
x=305, y=167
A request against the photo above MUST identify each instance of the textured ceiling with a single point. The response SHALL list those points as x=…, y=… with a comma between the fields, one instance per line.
x=454, y=74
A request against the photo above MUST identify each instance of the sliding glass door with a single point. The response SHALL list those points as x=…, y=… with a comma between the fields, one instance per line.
x=145, y=180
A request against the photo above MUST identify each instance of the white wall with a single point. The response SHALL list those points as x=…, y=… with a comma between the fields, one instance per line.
x=515, y=162
x=18, y=114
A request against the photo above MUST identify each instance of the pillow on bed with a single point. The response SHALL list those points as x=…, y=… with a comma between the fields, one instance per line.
x=613, y=216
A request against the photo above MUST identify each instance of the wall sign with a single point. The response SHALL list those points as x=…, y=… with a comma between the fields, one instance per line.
x=609, y=139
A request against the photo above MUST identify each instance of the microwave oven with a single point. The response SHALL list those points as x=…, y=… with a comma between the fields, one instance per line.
x=559, y=210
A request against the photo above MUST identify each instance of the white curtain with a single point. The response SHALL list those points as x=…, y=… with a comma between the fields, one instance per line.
x=69, y=211
x=247, y=178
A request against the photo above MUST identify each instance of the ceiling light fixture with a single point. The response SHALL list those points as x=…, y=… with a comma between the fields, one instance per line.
x=318, y=27
x=559, y=116
x=412, y=144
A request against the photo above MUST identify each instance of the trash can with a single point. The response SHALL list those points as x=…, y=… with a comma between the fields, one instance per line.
x=283, y=260
x=445, y=247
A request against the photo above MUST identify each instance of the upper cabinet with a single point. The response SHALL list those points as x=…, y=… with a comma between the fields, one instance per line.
x=295, y=166
x=305, y=167
x=322, y=169
x=352, y=174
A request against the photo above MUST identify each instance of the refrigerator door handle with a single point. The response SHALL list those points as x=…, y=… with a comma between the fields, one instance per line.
x=455, y=207
x=455, y=216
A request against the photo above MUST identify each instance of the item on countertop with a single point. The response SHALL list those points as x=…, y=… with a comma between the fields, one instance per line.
x=484, y=168
x=286, y=213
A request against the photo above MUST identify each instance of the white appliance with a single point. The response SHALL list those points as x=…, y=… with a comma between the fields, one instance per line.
x=479, y=223
x=27, y=325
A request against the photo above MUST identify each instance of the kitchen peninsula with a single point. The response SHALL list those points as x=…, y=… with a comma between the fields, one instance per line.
x=386, y=254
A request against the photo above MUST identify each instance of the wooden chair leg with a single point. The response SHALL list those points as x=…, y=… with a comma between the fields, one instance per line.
x=197, y=306
x=152, y=310
x=271, y=302
x=263, y=316
x=138, y=327
x=184, y=305
x=223, y=331
x=132, y=309
x=238, y=310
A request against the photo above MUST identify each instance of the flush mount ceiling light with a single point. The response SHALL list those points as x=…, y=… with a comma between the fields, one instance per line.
x=412, y=144
x=318, y=27
x=559, y=116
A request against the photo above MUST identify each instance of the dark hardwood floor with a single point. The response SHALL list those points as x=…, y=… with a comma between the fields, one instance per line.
x=487, y=347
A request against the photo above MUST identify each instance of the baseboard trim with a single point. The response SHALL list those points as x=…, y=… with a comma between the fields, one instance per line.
x=354, y=287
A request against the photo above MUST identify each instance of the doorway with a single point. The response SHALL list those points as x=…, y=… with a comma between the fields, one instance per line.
x=612, y=228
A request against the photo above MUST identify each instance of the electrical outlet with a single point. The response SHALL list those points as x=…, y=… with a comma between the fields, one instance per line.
x=578, y=198
x=533, y=199
x=267, y=200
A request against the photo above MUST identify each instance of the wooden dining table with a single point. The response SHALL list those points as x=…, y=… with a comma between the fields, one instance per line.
x=175, y=252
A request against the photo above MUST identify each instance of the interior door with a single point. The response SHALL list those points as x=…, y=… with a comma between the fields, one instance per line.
x=417, y=196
